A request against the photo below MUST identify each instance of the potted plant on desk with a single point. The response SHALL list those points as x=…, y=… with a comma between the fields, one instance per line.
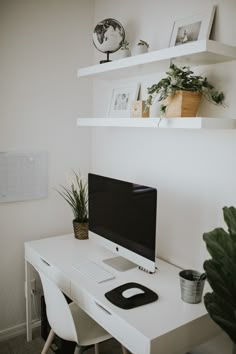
x=181, y=91
x=77, y=197
x=221, y=275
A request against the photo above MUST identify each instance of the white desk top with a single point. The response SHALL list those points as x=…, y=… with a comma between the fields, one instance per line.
x=152, y=320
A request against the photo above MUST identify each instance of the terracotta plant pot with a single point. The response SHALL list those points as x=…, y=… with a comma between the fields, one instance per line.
x=80, y=230
x=183, y=104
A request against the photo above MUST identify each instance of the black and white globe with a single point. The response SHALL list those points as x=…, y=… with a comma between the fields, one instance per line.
x=108, y=35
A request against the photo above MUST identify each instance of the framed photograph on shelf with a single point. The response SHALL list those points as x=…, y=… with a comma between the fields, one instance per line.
x=193, y=28
x=121, y=99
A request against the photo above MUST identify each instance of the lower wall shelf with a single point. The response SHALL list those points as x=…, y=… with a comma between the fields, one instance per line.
x=171, y=123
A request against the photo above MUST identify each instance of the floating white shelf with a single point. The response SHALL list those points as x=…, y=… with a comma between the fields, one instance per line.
x=171, y=123
x=202, y=52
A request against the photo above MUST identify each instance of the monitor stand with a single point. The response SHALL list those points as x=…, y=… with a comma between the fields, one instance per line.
x=119, y=263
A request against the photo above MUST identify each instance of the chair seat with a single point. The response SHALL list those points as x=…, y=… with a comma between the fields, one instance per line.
x=88, y=331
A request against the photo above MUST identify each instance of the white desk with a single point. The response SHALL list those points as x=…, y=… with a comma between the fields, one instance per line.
x=166, y=326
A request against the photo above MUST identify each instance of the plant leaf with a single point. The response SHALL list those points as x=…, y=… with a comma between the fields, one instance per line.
x=230, y=218
x=77, y=198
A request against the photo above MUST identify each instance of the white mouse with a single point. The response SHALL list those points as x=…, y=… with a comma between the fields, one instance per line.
x=131, y=292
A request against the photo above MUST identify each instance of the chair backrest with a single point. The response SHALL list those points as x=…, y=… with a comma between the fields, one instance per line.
x=58, y=311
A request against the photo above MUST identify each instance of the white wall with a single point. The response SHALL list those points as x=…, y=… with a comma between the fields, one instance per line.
x=194, y=171
x=42, y=43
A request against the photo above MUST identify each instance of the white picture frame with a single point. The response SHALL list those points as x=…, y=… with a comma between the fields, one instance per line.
x=193, y=28
x=121, y=99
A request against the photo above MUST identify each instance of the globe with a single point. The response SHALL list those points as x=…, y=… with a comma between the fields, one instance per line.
x=108, y=36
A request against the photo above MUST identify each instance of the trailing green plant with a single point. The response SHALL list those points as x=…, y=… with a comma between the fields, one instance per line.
x=221, y=274
x=77, y=197
x=124, y=45
x=141, y=42
x=182, y=79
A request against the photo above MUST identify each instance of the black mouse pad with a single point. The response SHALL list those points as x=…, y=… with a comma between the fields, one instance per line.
x=116, y=298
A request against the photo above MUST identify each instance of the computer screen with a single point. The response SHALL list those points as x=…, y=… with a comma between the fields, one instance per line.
x=124, y=213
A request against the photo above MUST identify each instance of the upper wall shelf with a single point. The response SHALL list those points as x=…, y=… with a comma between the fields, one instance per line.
x=202, y=52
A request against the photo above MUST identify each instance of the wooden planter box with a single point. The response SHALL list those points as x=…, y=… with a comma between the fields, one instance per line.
x=183, y=104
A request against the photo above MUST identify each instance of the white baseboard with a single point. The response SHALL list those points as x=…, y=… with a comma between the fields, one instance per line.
x=17, y=330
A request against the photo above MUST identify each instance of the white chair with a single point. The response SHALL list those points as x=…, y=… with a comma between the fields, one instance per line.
x=69, y=321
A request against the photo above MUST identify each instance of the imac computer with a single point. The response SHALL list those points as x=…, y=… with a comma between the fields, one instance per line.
x=122, y=218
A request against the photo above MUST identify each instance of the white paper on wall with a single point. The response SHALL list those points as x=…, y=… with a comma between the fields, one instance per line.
x=23, y=176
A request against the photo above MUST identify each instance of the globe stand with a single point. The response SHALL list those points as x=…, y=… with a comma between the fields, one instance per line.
x=107, y=60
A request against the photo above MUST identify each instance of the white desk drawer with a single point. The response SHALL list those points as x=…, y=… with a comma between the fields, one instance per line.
x=42, y=265
x=118, y=328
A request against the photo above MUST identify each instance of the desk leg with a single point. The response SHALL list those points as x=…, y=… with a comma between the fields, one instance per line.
x=124, y=350
x=28, y=302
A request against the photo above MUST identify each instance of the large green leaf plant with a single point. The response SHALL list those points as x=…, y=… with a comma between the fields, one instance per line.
x=221, y=274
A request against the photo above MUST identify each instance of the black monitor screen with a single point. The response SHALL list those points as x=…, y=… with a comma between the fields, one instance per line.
x=124, y=213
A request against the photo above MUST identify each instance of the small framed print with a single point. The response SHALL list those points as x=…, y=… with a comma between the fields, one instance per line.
x=193, y=28
x=121, y=98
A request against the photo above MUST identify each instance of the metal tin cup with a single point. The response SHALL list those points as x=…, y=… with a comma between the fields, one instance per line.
x=191, y=285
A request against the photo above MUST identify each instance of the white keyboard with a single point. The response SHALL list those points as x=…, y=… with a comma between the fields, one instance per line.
x=91, y=269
